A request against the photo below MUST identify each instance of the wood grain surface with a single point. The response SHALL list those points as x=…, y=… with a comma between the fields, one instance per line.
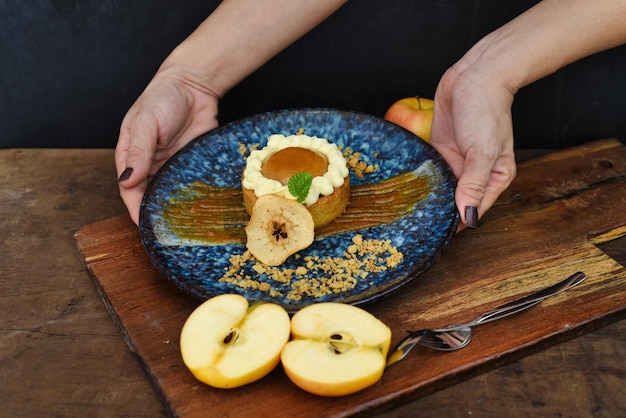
x=62, y=355
x=543, y=228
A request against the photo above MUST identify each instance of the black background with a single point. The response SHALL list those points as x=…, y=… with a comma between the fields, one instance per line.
x=69, y=70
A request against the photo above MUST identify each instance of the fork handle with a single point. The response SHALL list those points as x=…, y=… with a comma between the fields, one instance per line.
x=522, y=304
x=507, y=309
x=530, y=300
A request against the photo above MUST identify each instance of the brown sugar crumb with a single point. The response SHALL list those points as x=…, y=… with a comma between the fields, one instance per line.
x=317, y=276
x=356, y=164
x=234, y=274
x=244, y=150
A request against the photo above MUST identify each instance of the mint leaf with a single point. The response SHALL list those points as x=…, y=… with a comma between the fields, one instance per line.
x=299, y=185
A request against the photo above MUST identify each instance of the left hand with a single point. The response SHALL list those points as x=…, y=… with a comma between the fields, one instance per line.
x=172, y=111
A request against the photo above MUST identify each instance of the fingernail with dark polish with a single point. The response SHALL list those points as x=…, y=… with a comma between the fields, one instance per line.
x=125, y=174
x=471, y=216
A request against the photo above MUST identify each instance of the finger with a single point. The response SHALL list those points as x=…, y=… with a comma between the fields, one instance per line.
x=486, y=174
x=121, y=149
x=136, y=149
x=502, y=174
x=132, y=198
x=133, y=159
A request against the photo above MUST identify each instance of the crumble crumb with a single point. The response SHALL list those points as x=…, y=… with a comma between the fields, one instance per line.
x=356, y=164
x=244, y=150
x=317, y=276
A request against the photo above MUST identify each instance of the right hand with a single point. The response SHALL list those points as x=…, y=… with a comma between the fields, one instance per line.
x=472, y=130
x=173, y=110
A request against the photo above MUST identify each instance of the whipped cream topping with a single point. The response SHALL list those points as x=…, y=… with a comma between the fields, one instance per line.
x=323, y=185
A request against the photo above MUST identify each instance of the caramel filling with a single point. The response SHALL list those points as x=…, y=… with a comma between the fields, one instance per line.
x=215, y=215
x=283, y=164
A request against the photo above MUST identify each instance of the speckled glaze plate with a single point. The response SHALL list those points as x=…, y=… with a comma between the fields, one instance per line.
x=192, y=216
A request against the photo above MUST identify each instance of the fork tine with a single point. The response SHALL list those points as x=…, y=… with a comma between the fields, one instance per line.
x=447, y=341
x=433, y=341
x=403, y=348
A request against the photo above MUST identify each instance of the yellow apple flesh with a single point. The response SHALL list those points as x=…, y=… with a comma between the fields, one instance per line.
x=336, y=349
x=414, y=114
x=226, y=343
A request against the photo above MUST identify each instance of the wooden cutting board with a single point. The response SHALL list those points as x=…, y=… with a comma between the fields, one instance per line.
x=542, y=229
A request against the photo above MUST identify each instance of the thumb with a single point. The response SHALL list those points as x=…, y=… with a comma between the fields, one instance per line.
x=134, y=154
x=470, y=192
x=485, y=176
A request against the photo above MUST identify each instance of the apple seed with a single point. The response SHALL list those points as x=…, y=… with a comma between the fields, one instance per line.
x=279, y=232
x=231, y=337
x=339, y=346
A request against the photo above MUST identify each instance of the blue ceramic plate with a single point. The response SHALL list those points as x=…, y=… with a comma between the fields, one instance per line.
x=192, y=214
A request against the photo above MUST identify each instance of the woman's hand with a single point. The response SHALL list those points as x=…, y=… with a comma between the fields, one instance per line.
x=472, y=125
x=173, y=110
x=180, y=103
x=472, y=130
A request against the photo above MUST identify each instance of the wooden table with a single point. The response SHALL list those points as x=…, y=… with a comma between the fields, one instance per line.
x=61, y=354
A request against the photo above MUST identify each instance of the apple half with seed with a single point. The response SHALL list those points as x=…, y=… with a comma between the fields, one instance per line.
x=226, y=343
x=336, y=349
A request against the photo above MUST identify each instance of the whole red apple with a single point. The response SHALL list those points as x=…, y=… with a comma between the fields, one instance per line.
x=414, y=114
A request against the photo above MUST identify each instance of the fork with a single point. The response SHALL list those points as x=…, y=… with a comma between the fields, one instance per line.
x=454, y=337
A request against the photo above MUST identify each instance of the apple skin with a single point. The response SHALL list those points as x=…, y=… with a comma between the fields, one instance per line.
x=414, y=114
x=336, y=349
x=217, y=357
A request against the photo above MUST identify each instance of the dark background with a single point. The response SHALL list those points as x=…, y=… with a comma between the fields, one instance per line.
x=69, y=70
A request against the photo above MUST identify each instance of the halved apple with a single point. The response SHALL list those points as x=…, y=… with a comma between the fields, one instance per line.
x=336, y=349
x=226, y=343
